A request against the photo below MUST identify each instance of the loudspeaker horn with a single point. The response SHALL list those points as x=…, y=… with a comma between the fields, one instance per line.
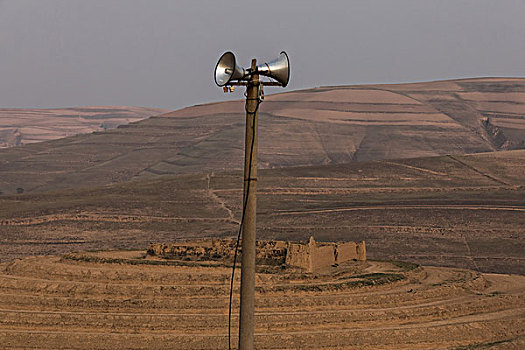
x=227, y=70
x=278, y=69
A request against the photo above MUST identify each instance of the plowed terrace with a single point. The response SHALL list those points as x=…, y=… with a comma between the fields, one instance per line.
x=110, y=301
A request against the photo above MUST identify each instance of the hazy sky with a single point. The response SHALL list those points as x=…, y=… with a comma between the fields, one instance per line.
x=162, y=53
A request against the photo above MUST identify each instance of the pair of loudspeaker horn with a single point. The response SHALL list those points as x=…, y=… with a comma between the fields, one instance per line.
x=227, y=70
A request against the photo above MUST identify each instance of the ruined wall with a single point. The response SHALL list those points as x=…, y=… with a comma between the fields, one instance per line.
x=311, y=256
x=323, y=255
x=298, y=255
x=361, y=251
x=314, y=256
x=346, y=251
x=194, y=250
x=271, y=252
x=268, y=252
x=351, y=251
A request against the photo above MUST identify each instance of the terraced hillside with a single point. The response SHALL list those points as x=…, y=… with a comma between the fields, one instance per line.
x=86, y=302
x=327, y=125
x=462, y=211
x=24, y=126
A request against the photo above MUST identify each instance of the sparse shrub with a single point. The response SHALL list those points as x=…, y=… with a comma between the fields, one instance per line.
x=19, y=190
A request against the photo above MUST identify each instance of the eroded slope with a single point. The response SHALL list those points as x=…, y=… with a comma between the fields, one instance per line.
x=328, y=125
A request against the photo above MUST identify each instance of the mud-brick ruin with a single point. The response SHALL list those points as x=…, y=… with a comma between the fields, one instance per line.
x=310, y=255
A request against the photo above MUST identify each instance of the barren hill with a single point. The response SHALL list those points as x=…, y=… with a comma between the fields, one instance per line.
x=24, y=126
x=317, y=126
x=461, y=211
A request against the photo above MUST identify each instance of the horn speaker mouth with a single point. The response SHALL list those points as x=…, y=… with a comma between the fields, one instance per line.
x=224, y=69
x=285, y=82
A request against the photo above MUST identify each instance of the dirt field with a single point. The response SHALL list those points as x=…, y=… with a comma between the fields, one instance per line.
x=117, y=300
x=459, y=211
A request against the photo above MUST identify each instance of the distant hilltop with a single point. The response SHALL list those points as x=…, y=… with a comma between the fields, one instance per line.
x=22, y=126
x=318, y=126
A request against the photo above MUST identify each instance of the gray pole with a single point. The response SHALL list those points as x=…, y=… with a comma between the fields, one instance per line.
x=247, y=317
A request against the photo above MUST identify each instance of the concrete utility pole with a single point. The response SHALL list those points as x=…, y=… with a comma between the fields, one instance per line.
x=228, y=74
x=247, y=312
